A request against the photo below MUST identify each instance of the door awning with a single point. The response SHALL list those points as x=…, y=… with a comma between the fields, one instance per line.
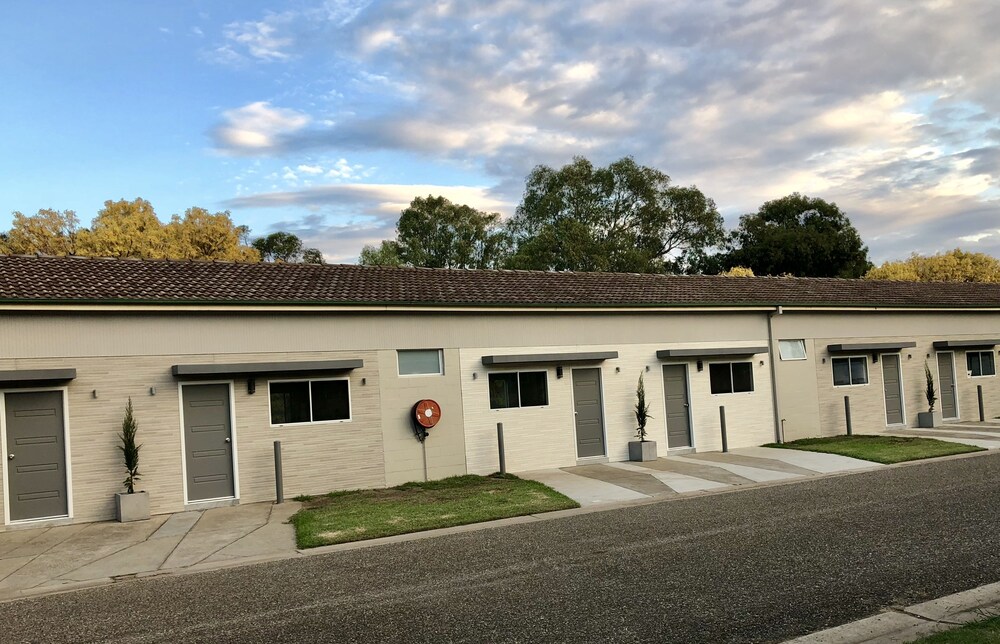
x=870, y=347
x=710, y=351
x=552, y=358
x=32, y=376
x=966, y=344
x=258, y=368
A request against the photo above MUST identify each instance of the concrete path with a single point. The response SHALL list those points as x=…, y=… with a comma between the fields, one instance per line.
x=985, y=435
x=616, y=482
x=38, y=560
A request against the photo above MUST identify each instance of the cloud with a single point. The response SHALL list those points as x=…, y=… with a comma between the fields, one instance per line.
x=256, y=128
x=893, y=113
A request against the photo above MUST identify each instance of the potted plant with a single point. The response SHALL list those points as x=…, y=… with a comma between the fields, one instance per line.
x=130, y=505
x=929, y=418
x=642, y=449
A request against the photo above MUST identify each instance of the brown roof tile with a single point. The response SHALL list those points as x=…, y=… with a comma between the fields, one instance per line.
x=72, y=279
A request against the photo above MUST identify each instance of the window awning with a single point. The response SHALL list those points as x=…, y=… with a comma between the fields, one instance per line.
x=29, y=376
x=257, y=368
x=710, y=351
x=966, y=344
x=535, y=358
x=870, y=347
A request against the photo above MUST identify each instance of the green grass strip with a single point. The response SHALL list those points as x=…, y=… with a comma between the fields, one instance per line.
x=983, y=632
x=880, y=449
x=340, y=517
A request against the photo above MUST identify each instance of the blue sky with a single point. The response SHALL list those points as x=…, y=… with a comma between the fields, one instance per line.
x=326, y=118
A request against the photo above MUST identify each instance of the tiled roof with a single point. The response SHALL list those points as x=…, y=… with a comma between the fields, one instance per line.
x=79, y=280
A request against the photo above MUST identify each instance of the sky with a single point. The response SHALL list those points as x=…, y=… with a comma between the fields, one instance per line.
x=325, y=118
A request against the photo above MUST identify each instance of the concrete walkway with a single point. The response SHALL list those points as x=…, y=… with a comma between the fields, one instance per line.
x=40, y=560
x=617, y=482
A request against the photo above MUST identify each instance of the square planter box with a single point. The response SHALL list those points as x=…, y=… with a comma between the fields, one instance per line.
x=928, y=419
x=642, y=451
x=132, y=507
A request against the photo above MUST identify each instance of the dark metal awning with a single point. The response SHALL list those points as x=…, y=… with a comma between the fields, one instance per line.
x=535, y=358
x=870, y=347
x=257, y=368
x=966, y=344
x=29, y=376
x=710, y=351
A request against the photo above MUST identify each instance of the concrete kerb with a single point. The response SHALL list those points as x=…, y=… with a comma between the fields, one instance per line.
x=911, y=622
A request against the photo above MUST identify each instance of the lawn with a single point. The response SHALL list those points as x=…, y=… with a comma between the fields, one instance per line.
x=881, y=449
x=340, y=517
x=982, y=632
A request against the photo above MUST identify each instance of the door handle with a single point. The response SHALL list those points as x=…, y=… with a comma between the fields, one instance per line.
x=228, y=439
x=10, y=457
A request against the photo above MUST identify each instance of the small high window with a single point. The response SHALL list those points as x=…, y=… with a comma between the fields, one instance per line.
x=518, y=389
x=850, y=371
x=731, y=377
x=420, y=362
x=980, y=363
x=792, y=349
x=296, y=402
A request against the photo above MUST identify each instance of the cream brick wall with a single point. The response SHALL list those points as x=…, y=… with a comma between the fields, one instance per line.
x=316, y=458
x=545, y=437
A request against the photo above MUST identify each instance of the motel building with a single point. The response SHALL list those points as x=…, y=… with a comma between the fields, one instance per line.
x=222, y=359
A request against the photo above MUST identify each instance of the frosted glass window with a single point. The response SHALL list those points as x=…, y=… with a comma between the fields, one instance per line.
x=419, y=362
x=792, y=349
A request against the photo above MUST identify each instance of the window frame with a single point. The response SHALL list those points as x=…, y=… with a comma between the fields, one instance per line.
x=801, y=341
x=753, y=381
x=309, y=381
x=980, y=353
x=517, y=372
x=439, y=372
x=868, y=375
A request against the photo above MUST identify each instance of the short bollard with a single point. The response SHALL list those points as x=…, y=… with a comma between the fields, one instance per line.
x=279, y=491
x=503, y=460
x=847, y=413
x=722, y=423
x=982, y=410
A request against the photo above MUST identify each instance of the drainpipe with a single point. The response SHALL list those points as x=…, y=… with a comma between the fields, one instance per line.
x=778, y=433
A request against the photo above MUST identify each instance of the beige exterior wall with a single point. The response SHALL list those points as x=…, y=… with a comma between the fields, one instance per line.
x=317, y=458
x=813, y=406
x=545, y=437
x=445, y=447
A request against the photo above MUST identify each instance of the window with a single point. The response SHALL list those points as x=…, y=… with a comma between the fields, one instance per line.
x=309, y=401
x=792, y=349
x=850, y=371
x=419, y=362
x=518, y=389
x=981, y=363
x=731, y=377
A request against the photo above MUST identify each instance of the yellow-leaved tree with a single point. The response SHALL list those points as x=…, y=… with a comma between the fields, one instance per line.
x=51, y=232
x=738, y=271
x=130, y=229
x=953, y=266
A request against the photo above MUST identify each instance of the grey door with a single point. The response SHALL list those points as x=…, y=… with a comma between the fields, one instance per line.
x=36, y=455
x=208, y=442
x=589, y=412
x=675, y=392
x=893, y=386
x=946, y=386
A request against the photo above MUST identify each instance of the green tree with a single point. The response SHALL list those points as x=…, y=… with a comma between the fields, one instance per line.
x=436, y=233
x=51, y=232
x=801, y=236
x=385, y=254
x=953, y=266
x=621, y=218
x=286, y=247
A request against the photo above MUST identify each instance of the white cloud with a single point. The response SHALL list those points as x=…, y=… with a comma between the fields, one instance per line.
x=262, y=40
x=256, y=127
x=309, y=169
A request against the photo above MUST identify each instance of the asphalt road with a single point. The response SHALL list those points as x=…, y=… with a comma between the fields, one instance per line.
x=753, y=565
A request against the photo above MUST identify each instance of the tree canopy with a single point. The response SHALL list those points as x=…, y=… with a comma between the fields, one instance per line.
x=798, y=235
x=436, y=233
x=286, y=247
x=621, y=218
x=129, y=229
x=953, y=266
